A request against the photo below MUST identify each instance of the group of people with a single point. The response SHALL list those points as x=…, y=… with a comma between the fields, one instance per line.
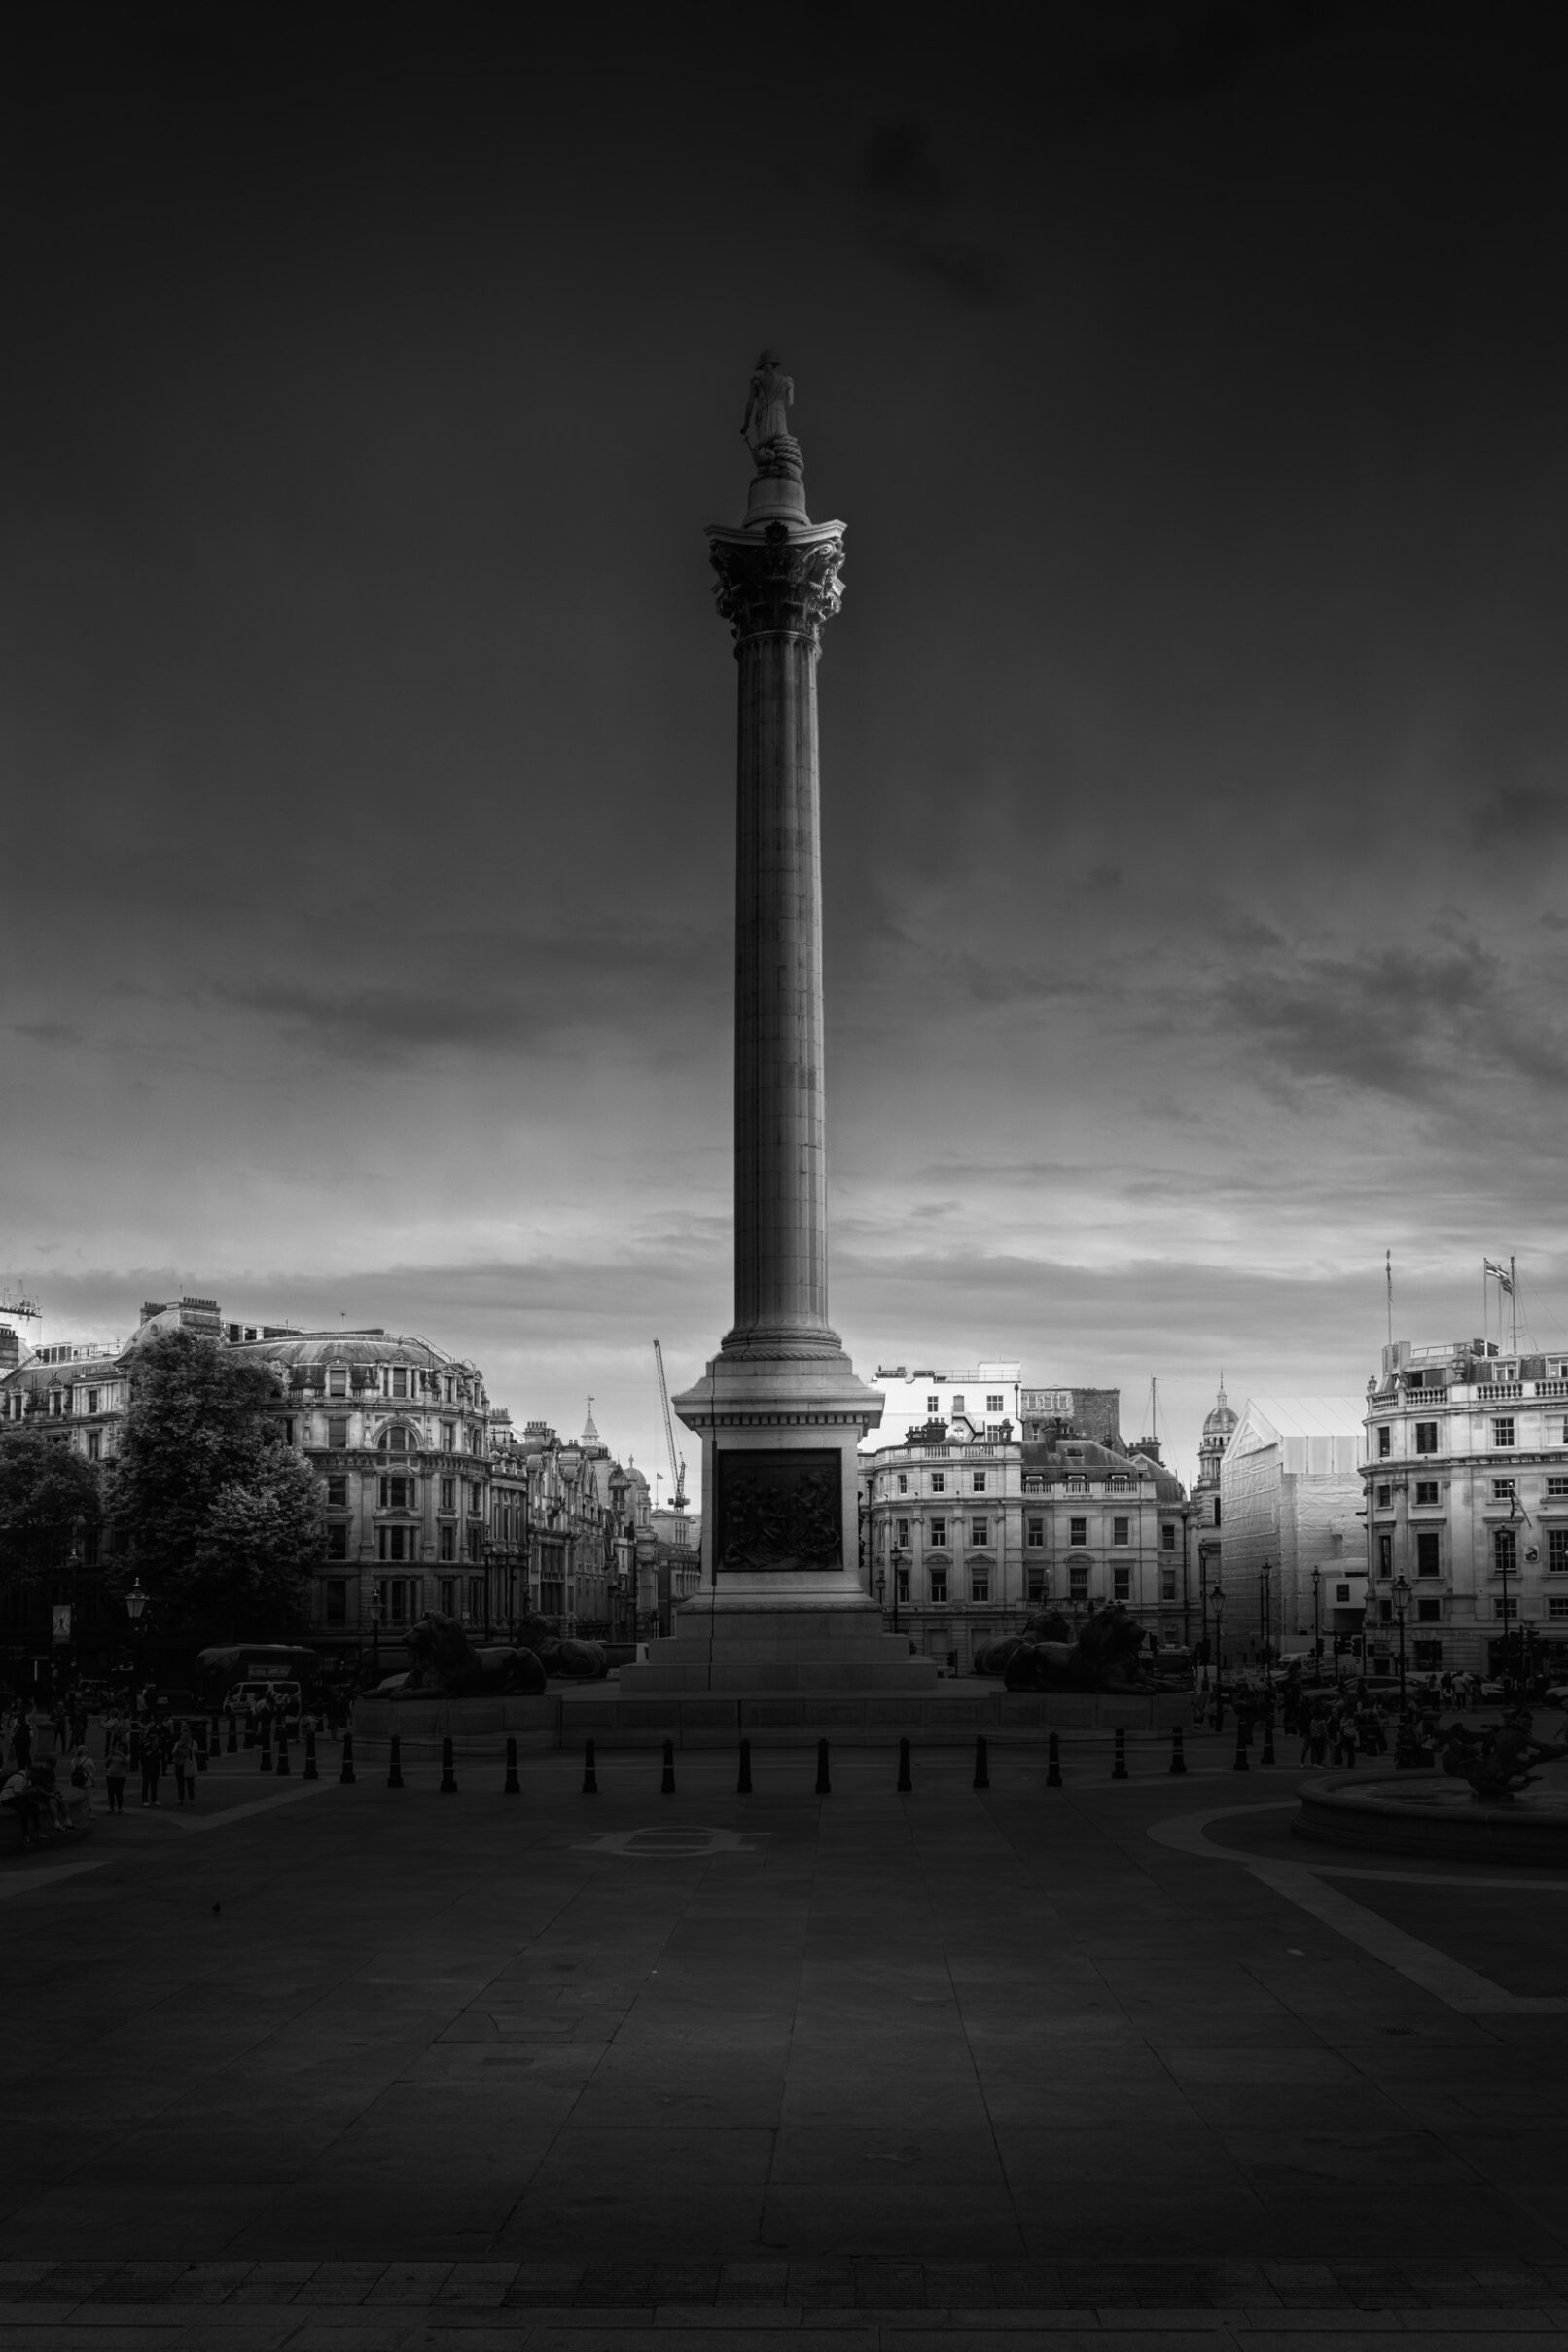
x=137, y=1741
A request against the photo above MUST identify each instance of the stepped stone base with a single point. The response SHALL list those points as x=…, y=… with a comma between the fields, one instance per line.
x=733, y=1648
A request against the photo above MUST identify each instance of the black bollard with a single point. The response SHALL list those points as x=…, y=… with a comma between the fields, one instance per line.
x=250, y=1732
x=1119, y=1763
x=267, y=1747
x=1178, y=1751
x=666, y=1787
x=348, y=1772
x=231, y=1744
x=906, y=1777
x=1267, y=1755
x=1241, y=1765
x=514, y=1786
x=824, y=1784
x=590, y=1770
x=394, y=1763
x=310, y=1773
x=202, y=1745
x=448, y=1778
x=983, y=1764
x=743, y=1776
x=1053, y=1761
x=284, y=1769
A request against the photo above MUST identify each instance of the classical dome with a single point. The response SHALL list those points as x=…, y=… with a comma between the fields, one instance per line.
x=1220, y=1420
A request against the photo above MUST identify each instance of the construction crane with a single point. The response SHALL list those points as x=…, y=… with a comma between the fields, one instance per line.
x=677, y=1465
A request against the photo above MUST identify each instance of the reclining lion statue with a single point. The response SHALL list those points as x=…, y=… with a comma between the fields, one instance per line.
x=563, y=1654
x=1103, y=1655
x=447, y=1664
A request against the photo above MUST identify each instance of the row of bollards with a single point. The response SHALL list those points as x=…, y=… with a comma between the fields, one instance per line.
x=743, y=1782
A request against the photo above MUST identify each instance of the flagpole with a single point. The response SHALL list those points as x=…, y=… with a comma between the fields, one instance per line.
x=1512, y=1303
x=1388, y=1270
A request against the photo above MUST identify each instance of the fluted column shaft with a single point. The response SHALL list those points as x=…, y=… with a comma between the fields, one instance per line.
x=781, y=1177
x=776, y=588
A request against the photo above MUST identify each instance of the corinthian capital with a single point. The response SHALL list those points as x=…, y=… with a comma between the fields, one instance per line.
x=778, y=582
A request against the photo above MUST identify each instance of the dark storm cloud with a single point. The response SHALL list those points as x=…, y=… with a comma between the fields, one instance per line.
x=1403, y=1021
x=1191, y=379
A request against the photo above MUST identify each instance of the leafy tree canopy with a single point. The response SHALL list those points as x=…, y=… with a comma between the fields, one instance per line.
x=221, y=1516
x=47, y=1492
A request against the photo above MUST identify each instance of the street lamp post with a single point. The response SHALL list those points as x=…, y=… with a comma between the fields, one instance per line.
x=376, y=1632
x=882, y=1590
x=1402, y=1601
x=1217, y=1604
x=1264, y=1600
x=1317, y=1624
x=136, y=1609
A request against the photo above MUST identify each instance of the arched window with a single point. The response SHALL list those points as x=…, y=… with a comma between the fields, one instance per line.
x=397, y=1439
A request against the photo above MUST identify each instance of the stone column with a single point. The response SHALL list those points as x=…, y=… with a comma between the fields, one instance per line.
x=776, y=586
x=779, y=1411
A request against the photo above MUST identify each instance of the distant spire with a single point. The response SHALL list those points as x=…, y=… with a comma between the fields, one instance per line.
x=590, y=1436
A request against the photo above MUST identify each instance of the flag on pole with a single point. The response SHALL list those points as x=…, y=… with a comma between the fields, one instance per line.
x=1500, y=1275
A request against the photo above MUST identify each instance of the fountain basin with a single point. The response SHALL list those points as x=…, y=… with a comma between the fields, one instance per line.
x=1428, y=1814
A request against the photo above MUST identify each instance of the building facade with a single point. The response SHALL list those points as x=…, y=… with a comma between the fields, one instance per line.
x=1466, y=1494
x=963, y=1537
x=431, y=1499
x=1290, y=1502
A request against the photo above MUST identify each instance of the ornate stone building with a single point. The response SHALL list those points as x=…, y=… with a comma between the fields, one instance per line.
x=1465, y=1477
x=963, y=1535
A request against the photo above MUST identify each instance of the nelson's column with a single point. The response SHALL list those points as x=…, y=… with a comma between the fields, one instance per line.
x=780, y=1412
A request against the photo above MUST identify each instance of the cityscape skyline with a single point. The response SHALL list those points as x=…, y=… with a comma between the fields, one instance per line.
x=1192, y=730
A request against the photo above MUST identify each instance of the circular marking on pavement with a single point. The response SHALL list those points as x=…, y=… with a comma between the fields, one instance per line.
x=668, y=1842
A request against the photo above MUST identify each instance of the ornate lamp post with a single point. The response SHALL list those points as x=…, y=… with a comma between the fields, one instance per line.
x=136, y=1609
x=1317, y=1623
x=1402, y=1601
x=1217, y=1604
x=882, y=1590
x=376, y=1632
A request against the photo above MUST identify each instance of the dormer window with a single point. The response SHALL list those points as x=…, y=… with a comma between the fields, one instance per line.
x=400, y=1379
x=337, y=1381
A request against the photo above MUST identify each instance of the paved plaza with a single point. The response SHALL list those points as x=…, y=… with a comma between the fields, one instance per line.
x=1120, y=2062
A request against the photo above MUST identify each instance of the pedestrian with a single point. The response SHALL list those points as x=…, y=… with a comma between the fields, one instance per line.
x=115, y=1765
x=84, y=1771
x=22, y=1742
x=184, y=1758
x=152, y=1763
x=19, y=1794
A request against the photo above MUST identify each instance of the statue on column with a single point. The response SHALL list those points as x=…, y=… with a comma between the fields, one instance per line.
x=765, y=424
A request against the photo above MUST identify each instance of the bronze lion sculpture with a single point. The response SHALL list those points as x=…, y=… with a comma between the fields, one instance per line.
x=563, y=1654
x=447, y=1664
x=1103, y=1655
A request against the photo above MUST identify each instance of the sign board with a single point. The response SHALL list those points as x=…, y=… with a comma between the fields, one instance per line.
x=60, y=1620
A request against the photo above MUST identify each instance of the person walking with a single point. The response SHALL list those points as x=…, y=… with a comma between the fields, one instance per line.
x=21, y=1740
x=152, y=1763
x=115, y=1765
x=184, y=1758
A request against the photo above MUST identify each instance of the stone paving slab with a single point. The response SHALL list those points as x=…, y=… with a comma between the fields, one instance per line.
x=954, y=2062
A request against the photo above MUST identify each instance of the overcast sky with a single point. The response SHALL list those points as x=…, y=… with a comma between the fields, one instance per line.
x=1193, y=387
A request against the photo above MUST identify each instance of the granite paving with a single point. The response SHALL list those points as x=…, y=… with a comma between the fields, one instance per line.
x=342, y=2064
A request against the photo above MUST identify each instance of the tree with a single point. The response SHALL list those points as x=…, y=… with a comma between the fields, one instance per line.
x=212, y=1504
x=46, y=1494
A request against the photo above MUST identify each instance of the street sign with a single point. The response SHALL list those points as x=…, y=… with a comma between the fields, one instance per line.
x=60, y=1615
